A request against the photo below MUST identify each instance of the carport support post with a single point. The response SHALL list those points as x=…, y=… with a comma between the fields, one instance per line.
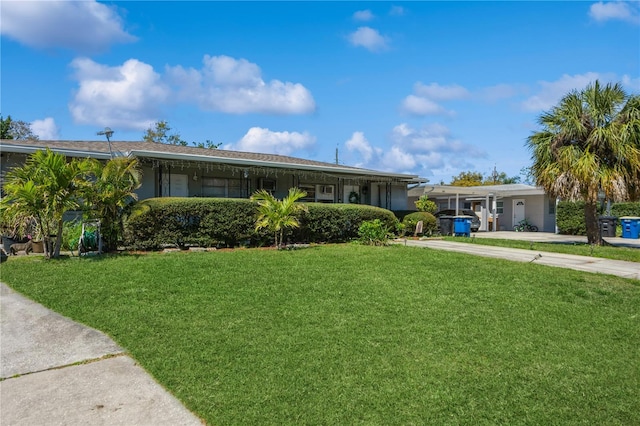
x=457, y=201
x=494, y=213
x=485, y=218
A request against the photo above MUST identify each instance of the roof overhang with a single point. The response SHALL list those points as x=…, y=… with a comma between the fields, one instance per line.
x=479, y=191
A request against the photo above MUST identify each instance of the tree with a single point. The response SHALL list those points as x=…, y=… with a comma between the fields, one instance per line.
x=467, y=179
x=277, y=215
x=159, y=133
x=18, y=130
x=45, y=188
x=589, y=144
x=110, y=194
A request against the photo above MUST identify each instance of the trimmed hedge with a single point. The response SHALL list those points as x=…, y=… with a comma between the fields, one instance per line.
x=570, y=215
x=224, y=222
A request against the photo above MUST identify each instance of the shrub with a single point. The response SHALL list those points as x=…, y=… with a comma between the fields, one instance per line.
x=158, y=222
x=570, y=218
x=71, y=231
x=429, y=223
x=424, y=204
x=373, y=233
x=625, y=209
x=332, y=223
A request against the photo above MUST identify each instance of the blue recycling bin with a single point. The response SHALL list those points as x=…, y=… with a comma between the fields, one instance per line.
x=630, y=227
x=462, y=226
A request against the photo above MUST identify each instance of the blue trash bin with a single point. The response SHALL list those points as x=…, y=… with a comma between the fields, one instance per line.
x=462, y=226
x=630, y=227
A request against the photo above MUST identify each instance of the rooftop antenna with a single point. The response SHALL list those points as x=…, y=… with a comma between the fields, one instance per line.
x=108, y=133
x=337, y=154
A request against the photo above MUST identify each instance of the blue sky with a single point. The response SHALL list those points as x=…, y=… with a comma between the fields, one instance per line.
x=428, y=88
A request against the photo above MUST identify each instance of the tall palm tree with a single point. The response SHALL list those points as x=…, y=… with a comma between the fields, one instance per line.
x=45, y=187
x=110, y=193
x=278, y=215
x=589, y=144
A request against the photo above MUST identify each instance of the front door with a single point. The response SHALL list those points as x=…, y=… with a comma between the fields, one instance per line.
x=518, y=211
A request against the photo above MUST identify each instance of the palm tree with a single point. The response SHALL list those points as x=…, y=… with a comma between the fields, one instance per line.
x=110, y=193
x=277, y=215
x=589, y=144
x=45, y=188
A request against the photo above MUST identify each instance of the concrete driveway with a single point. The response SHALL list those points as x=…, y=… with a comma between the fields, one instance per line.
x=55, y=371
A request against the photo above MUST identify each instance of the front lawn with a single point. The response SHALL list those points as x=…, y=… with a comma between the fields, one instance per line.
x=351, y=334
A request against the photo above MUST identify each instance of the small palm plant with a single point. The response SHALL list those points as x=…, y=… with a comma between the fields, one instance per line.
x=278, y=215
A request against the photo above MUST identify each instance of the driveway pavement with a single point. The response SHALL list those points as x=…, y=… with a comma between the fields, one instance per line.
x=581, y=263
x=57, y=372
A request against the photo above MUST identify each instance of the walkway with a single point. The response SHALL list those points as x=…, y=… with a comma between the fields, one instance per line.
x=57, y=372
x=581, y=263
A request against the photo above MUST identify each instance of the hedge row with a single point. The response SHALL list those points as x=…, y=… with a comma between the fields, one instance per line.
x=570, y=215
x=225, y=222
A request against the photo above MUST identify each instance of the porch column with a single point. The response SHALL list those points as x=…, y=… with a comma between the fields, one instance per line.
x=485, y=214
x=457, y=202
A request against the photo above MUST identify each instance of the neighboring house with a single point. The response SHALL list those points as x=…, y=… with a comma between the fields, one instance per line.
x=505, y=204
x=182, y=171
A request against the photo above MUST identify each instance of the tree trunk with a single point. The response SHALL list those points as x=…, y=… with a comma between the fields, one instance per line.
x=591, y=221
x=56, y=253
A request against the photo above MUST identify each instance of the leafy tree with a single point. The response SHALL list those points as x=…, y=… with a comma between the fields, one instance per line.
x=111, y=194
x=277, y=215
x=467, y=179
x=159, y=133
x=44, y=189
x=424, y=204
x=589, y=143
x=19, y=130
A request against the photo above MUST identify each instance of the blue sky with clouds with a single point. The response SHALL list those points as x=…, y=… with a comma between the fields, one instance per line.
x=428, y=88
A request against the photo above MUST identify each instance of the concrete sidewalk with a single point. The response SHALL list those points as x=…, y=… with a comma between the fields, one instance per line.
x=57, y=372
x=581, y=263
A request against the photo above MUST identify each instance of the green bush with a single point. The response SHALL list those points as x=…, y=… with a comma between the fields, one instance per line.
x=570, y=215
x=373, y=233
x=71, y=231
x=332, y=223
x=429, y=223
x=208, y=222
x=212, y=222
x=625, y=209
x=424, y=204
x=570, y=218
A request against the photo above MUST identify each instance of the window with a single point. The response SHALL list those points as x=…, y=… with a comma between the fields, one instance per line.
x=499, y=207
x=552, y=206
x=221, y=188
x=268, y=185
x=311, y=192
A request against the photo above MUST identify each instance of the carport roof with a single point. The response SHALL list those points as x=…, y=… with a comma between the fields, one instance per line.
x=509, y=190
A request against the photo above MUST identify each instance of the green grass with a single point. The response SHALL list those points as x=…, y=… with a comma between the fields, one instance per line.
x=581, y=249
x=352, y=334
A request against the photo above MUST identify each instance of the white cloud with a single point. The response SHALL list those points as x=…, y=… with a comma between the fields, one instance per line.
x=615, y=10
x=437, y=92
x=236, y=86
x=363, y=15
x=262, y=140
x=417, y=151
x=397, y=11
x=421, y=106
x=423, y=101
x=84, y=26
x=45, y=129
x=552, y=91
x=125, y=96
x=360, y=144
x=368, y=38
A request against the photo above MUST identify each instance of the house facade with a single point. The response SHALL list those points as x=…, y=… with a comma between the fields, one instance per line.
x=183, y=171
x=500, y=205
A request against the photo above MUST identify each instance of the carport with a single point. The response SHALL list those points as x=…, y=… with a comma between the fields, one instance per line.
x=484, y=201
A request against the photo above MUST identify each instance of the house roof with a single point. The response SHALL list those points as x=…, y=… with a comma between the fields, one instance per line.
x=100, y=149
x=508, y=190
